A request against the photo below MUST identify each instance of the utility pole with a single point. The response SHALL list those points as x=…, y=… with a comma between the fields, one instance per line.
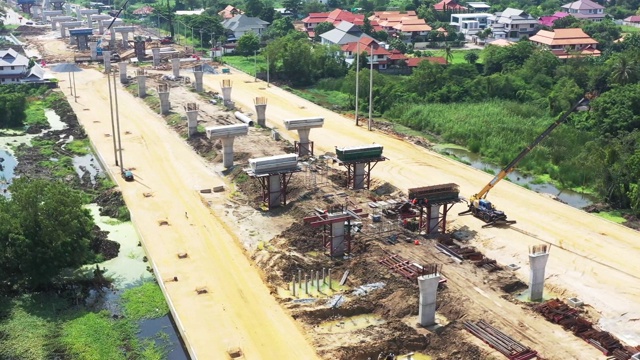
x=267, y=69
x=201, y=37
x=357, y=79
x=255, y=65
x=115, y=96
x=113, y=126
x=370, y=88
x=75, y=90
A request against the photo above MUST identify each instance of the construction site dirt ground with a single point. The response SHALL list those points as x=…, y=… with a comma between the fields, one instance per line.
x=591, y=258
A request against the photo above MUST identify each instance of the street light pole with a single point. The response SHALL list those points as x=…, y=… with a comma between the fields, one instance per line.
x=357, y=80
x=370, y=89
x=115, y=96
x=113, y=126
x=75, y=90
x=268, y=69
x=201, y=37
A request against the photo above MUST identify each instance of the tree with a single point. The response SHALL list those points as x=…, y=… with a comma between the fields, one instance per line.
x=44, y=230
x=448, y=54
x=617, y=110
x=398, y=45
x=253, y=8
x=366, y=26
x=279, y=28
x=322, y=28
x=12, y=109
x=293, y=6
x=381, y=35
x=313, y=7
x=471, y=57
x=268, y=14
x=248, y=43
x=624, y=70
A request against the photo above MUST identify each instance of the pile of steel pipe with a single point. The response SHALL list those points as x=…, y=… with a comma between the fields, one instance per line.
x=569, y=318
x=499, y=341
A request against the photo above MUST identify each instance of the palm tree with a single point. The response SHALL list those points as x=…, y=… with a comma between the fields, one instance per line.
x=448, y=54
x=624, y=71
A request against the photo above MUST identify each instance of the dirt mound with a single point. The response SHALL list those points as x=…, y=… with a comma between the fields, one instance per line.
x=111, y=204
x=101, y=245
x=25, y=30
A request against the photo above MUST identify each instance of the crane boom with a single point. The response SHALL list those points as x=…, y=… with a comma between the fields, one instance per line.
x=511, y=166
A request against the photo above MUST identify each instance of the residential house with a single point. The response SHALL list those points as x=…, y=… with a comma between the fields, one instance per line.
x=13, y=66
x=566, y=43
x=335, y=17
x=449, y=5
x=478, y=7
x=513, y=24
x=242, y=24
x=380, y=58
x=550, y=19
x=470, y=24
x=386, y=20
x=229, y=12
x=632, y=21
x=36, y=74
x=412, y=29
x=585, y=9
x=344, y=33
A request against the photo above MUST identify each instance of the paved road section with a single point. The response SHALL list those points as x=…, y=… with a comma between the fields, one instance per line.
x=591, y=258
x=237, y=310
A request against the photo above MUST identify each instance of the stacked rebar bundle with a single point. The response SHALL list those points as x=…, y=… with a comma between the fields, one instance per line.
x=507, y=346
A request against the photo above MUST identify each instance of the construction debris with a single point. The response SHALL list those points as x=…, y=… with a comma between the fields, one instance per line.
x=569, y=318
x=495, y=338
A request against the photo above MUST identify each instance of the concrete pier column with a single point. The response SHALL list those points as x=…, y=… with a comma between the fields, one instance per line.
x=358, y=177
x=338, y=243
x=112, y=39
x=198, y=73
x=125, y=39
x=261, y=110
x=175, y=64
x=304, y=148
x=227, y=151
x=428, y=285
x=101, y=27
x=192, y=118
x=318, y=280
x=53, y=25
x=538, y=257
x=106, y=57
x=434, y=219
x=329, y=279
x=142, y=83
x=300, y=277
x=93, y=46
x=156, y=56
x=163, y=94
x=324, y=278
x=73, y=40
x=123, y=72
x=225, y=87
x=306, y=284
x=67, y=9
x=63, y=31
x=274, y=191
x=293, y=285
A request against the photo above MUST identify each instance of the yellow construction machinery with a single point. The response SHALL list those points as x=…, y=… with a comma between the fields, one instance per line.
x=482, y=208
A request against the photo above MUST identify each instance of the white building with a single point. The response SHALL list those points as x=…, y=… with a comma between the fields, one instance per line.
x=513, y=24
x=471, y=24
x=13, y=66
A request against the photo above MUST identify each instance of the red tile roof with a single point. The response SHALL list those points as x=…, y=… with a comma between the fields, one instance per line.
x=448, y=5
x=414, y=62
x=377, y=49
x=633, y=19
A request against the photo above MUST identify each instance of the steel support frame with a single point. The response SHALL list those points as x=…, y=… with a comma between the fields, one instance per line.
x=425, y=215
x=327, y=228
x=265, y=183
x=26, y=8
x=299, y=146
x=351, y=170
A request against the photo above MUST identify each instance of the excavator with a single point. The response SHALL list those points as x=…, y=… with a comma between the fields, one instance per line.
x=482, y=208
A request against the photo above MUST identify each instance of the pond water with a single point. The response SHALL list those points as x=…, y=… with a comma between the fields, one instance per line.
x=572, y=198
x=87, y=164
x=127, y=270
x=7, y=165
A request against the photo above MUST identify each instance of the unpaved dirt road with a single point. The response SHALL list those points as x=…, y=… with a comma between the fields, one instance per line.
x=593, y=259
x=237, y=310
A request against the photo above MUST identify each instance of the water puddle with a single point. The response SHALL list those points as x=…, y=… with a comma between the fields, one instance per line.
x=54, y=121
x=572, y=198
x=129, y=269
x=87, y=164
x=546, y=296
x=161, y=330
x=348, y=324
x=11, y=139
x=415, y=356
x=7, y=165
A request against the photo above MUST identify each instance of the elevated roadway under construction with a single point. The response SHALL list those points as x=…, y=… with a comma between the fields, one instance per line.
x=591, y=258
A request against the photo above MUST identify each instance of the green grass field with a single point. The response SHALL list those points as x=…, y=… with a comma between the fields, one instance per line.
x=458, y=55
x=630, y=29
x=246, y=64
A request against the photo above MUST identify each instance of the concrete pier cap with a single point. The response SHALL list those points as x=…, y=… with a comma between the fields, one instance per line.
x=163, y=94
x=106, y=57
x=175, y=65
x=225, y=87
x=192, y=118
x=141, y=74
x=198, y=73
x=304, y=126
x=227, y=134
